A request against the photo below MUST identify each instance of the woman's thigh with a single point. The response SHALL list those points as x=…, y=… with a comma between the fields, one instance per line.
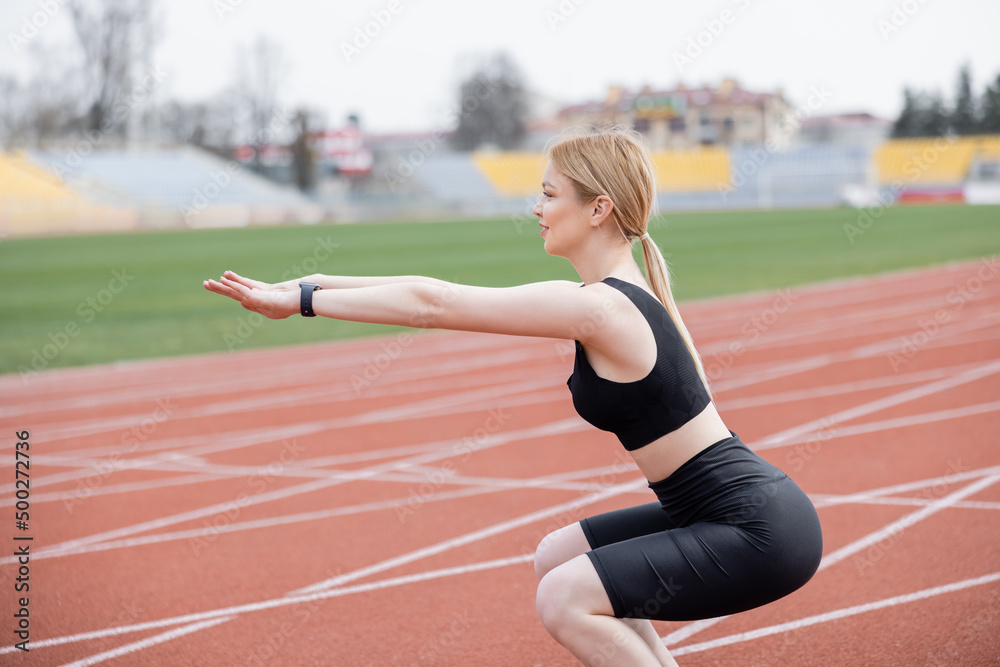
x=576, y=539
x=708, y=568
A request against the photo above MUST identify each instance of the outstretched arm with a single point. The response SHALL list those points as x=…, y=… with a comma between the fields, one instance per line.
x=553, y=309
x=330, y=282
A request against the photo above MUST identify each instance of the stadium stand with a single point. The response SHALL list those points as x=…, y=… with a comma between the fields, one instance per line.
x=932, y=161
x=35, y=201
x=179, y=187
x=512, y=174
x=456, y=177
x=691, y=170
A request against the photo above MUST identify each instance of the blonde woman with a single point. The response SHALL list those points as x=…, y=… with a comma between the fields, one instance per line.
x=729, y=531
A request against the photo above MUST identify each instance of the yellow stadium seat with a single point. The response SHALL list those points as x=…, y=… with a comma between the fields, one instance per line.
x=932, y=160
x=519, y=174
x=512, y=174
x=696, y=169
x=35, y=201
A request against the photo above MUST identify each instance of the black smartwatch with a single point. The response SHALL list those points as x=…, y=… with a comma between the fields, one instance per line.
x=306, y=299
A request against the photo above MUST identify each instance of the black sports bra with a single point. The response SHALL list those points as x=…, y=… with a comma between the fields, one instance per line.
x=639, y=412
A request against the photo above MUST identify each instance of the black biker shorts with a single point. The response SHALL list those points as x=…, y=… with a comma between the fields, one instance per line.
x=730, y=532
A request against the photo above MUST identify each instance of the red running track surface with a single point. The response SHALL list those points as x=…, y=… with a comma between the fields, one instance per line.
x=378, y=502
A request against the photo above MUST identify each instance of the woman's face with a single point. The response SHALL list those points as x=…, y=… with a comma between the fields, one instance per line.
x=561, y=214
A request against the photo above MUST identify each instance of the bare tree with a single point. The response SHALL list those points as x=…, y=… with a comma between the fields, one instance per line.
x=303, y=156
x=493, y=106
x=115, y=37
x=43, y=108
x=259, y=80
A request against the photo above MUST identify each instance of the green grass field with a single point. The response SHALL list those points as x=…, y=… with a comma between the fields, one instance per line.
x=62, y=304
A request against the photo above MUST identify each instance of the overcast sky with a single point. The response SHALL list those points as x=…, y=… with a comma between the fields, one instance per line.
x=860, y=52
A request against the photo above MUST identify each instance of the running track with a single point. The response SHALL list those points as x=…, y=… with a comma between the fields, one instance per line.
x=377, y=502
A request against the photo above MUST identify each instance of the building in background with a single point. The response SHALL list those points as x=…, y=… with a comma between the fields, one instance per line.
x=853, y=129
x=685, y=117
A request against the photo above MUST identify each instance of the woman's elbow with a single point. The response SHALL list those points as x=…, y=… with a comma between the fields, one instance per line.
x=431, y=303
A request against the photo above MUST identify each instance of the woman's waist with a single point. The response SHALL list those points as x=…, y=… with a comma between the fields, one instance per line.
x=664, y=456
x=725, y=469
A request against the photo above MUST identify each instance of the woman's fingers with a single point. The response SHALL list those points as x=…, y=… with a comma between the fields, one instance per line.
x=249, y=282
x=219, y=288
x=239, y=288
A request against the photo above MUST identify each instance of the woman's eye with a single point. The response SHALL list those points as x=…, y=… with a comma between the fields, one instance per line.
x=546, y=194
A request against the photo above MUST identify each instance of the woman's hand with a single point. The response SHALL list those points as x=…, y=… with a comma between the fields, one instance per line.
x=274, y=302
x=288, y=285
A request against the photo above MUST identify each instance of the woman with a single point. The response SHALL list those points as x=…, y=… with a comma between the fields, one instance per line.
x=729, y=532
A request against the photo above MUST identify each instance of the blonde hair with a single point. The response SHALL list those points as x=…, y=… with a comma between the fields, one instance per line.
x=613, y=162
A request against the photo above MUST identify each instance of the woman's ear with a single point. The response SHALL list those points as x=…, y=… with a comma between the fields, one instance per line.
x=600, y=209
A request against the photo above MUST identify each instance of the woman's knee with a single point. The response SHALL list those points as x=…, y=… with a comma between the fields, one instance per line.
x=558, y=547
x=569, y=591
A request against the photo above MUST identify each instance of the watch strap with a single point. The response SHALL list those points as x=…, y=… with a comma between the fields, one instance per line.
x=306, y=298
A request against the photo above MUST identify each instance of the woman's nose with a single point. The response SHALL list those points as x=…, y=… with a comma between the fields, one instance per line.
x=537, y=210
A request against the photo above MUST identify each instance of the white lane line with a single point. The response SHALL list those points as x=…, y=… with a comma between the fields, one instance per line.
x=249, y=437
x=906, y=521
x=489, y=441
x=906, y=487
x=837, y=614
x=403, y=411
x=826, y=423
x=920, y=502
x=896, y=319
x=895, y=423
x=146, y=643
x=230, y=612
x=325, y=360
x=211, y=532
x=764, y=372
x=823, y=391
x=475, y=536
x=146, y=463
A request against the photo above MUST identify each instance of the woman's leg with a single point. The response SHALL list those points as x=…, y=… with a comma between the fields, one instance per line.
x=576, y=611
x=565, y=544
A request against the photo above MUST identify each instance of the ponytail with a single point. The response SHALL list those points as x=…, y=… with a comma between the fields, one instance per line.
x=658, y=274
